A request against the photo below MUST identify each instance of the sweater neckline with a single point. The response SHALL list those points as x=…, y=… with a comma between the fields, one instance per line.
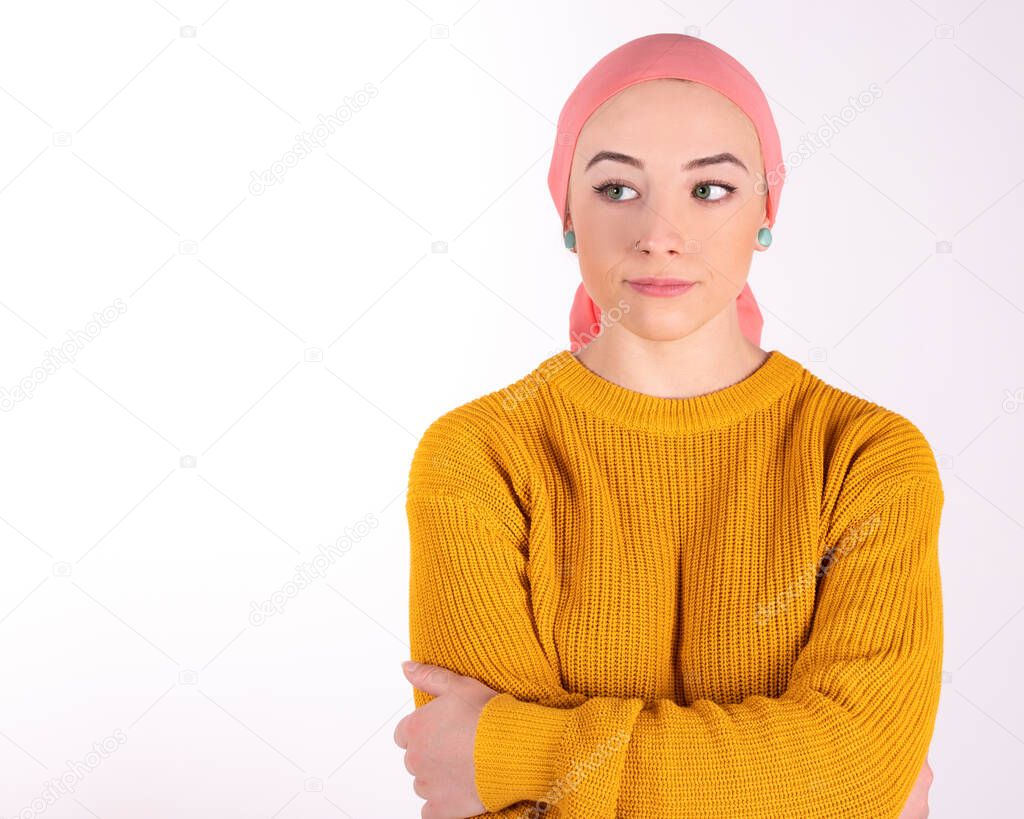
x=642, y=411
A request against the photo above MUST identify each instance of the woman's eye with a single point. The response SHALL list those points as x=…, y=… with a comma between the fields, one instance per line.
x=616, y=192
x=704, y=191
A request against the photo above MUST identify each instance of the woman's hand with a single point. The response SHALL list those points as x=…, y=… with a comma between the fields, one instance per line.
x=438, y=739
x=917, y=802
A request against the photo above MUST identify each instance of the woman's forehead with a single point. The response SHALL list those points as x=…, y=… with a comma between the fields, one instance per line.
x=667, y=98
x=658, y=117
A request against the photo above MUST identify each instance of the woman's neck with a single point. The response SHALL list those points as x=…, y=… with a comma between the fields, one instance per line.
x=677, y=369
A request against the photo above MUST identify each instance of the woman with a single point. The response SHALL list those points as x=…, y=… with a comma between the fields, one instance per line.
x=670, y=574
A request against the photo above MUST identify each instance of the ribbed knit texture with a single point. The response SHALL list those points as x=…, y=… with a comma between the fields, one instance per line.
x=720, y=606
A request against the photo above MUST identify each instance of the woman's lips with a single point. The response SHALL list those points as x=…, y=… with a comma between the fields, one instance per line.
x=661, y=287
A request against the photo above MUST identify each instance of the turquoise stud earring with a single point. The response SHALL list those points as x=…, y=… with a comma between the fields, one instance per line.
x=764, y=237
x=570, y=239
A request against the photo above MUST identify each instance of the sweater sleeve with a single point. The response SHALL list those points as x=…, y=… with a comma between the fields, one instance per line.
x=847, y=737
x=470, y=605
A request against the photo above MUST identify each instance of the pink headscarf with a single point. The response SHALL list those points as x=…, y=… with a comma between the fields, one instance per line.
x=653, y=57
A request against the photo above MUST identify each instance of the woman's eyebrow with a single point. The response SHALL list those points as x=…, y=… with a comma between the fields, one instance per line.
x=701, y=162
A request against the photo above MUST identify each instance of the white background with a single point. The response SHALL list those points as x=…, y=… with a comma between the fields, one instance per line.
x=129, y=145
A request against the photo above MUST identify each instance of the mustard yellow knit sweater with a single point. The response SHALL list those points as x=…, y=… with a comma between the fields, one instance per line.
x=720, y=606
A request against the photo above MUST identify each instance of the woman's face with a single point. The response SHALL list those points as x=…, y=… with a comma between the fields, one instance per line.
x=695, y=211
